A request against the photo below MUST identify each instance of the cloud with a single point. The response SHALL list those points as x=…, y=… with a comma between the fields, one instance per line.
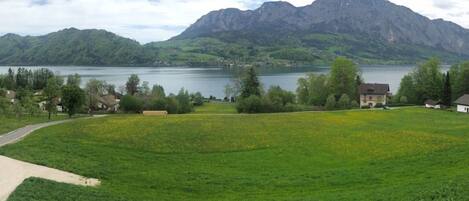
x=155, y=20
x=448, y=4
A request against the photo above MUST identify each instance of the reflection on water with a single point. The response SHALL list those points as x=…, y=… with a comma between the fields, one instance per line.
x=211, y=81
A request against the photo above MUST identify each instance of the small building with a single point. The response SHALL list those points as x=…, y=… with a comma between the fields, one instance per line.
x=433, y=104
x=463, y=104
x=372, y=95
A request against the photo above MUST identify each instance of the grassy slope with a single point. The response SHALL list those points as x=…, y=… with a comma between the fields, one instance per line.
x=410, y=154
x=11, y=123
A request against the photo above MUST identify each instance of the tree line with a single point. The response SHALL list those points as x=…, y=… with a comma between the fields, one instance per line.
x=336, y=90
x=33, y=87
x=428, y=81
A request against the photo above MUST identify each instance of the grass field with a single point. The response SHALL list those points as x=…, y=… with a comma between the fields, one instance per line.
x=408, y=154
x=8, y=124
x=216, y=108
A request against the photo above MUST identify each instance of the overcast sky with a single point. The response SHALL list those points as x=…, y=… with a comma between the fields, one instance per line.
x=156, y=20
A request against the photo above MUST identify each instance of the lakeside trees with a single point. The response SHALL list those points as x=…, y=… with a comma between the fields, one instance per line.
x=326, y=90
x=428, y=81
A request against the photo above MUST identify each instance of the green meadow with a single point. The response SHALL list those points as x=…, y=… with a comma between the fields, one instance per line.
x=216, y=108
x=8, y=123
x=406, y=154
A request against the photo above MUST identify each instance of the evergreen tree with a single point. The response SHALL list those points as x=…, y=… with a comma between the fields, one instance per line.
x=447, y=96
x=250, y=85
x=10, y=81
x=132, y=84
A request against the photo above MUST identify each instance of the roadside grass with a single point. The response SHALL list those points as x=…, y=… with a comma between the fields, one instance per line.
x=406, y=154
x=11, y=123
x=216, y=108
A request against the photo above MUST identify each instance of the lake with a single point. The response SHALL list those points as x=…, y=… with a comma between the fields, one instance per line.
x=212, y=81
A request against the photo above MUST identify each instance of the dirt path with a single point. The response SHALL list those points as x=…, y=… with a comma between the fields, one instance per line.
x=14, y=172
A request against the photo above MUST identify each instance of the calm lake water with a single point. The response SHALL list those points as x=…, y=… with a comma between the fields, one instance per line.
x=211, y=81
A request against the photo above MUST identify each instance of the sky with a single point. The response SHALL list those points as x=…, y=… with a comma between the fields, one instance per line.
x=157, y=20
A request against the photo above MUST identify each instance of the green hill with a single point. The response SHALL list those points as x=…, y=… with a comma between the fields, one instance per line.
x=407, y=154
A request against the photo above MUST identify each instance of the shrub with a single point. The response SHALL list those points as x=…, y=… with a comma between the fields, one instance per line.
x=331, y=103
x=280, y=97
x=184, y=102
x=197, y=99
x=172, y=105
x=251, y=104
x=344, y=102
x=131, y=104
x=158, y=104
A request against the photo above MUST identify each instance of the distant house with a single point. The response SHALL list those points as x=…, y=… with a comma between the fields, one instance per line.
x=463, y=104
x=433, y=104
x=10, y=95
x=372, y=95
x=108, y=103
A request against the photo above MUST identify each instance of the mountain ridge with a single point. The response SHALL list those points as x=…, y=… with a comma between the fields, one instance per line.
x=380, y=19
x=275, y=34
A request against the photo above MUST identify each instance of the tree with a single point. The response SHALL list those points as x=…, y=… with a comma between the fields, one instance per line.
x=144, y=90
x=447, y=96
x=73, y=98
x=407, y=90
x=428, y=81
x=52, y=94
x=343, y=77
x=459, y=78
x=132, y=84
x=94, y=90
x=158, y=92
x=197, y=99
x=313, y=90
x=184, y=102
x=331, y=103
x=250, y=85
x=74, y=80
x=344, y=102
x=403, y=99
x=9, y=80
x=41, y=77
x=279, y=97
x=132, y=104
x=24, y=78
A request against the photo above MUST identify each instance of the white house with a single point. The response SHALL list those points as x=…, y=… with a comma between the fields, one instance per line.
x=463, y=104
x=433, y=104
x=373, y=94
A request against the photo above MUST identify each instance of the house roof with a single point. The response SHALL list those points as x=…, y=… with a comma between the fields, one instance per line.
x=432, y=102
x=374, y=89
x=108, y=100
x=464, y=100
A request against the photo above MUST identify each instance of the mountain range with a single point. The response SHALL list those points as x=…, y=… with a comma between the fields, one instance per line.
x=277, y=33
